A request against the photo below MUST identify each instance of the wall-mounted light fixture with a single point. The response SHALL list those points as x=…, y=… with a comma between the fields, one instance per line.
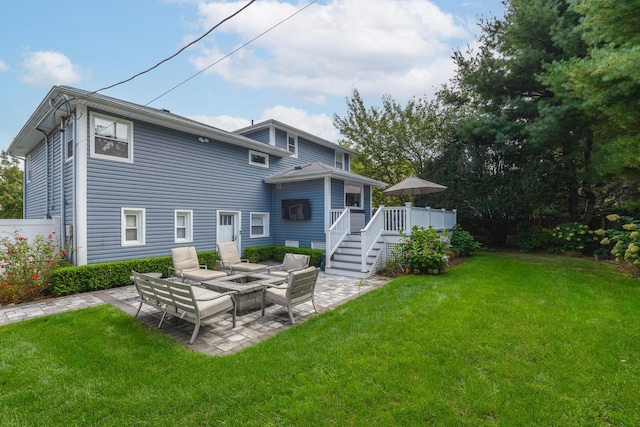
x=203, y=139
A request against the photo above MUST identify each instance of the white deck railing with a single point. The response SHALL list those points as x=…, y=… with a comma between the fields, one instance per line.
x=397, y=219
x=340, y=228
x=389, y=221
x=370, y=235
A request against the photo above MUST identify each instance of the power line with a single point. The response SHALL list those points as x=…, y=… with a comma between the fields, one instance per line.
x=179, y=51
x=232, y=52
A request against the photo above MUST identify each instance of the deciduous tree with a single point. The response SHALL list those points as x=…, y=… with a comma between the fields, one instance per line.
x=11, y=184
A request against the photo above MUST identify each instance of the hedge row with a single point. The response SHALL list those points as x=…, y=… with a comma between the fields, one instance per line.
x=85, y=278
x=264, y=253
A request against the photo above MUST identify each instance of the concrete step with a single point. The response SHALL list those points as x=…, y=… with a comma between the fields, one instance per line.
x=354, y=258
x=347, y=273
x=348, y=265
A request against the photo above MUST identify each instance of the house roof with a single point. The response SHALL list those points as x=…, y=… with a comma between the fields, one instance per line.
x=307, y=171
x=61, y=100
x=317, y=140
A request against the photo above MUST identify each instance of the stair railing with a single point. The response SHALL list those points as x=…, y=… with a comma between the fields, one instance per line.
x=336, y=234
x=370, y=235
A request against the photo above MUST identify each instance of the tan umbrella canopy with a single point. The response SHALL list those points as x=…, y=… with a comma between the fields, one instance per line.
x=412, y=186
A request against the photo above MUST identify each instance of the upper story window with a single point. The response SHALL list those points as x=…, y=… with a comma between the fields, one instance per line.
x=111, y=138
x=258, y=159
x=183, y=226
x=68, y=137
x=292, y=145
x=339, y=160
x=132, y=226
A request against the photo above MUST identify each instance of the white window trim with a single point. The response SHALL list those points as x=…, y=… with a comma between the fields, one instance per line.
x=142, y=233
x=189, y=226
x=257, y=153
x=66, y=139
x=92, y=128
x=295, y=139
x=265, y=224
x=27, y=168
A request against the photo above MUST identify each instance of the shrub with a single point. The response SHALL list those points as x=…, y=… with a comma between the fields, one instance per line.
x=265, y=253
x=462, y=242
x=395, y=264
x=28, y=266
x=424, y=251
x=85, y=278
x=624, y=239
x=536, y=239
x=574, y=237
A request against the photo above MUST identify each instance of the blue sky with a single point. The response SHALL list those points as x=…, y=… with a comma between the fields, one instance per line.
x=299, y=72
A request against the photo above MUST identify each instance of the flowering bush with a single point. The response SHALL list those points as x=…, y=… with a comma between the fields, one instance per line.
x=424, y=251
x=573, y=236
x=25, y=270
x=625, y=239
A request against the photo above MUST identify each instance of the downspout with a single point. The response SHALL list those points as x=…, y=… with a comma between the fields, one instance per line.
x=63, y=236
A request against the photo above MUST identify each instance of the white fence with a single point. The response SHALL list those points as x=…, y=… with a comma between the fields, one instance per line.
x=30, y=228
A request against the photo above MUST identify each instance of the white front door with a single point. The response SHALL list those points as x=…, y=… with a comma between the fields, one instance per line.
x=228, y=227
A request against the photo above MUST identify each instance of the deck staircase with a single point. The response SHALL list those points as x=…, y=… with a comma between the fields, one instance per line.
x=347, y=260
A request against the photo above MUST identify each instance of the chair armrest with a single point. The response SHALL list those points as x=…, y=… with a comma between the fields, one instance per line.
x=274, y=268
x=171, y=271
x=232, y=293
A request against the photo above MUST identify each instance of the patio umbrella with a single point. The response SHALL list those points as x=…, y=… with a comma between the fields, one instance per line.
x=412, y=186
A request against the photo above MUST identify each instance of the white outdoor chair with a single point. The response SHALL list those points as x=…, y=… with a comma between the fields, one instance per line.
x=230, y=258
x=290, y=263
x=187, y=268
x=299, y=288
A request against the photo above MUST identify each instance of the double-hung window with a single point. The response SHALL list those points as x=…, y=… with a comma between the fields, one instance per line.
x=133, y=226
x=183, y=226
x=259, y=224
x=111, y=138
x=339, y=160
x=292, y=145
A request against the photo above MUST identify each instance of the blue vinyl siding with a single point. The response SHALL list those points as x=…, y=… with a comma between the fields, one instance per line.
x=35, y=193
x=337, y=194
x=55, y=169
x=171, y=170
x=42, y=193
x=367, y=202
x=304, y=232
x=260, y=135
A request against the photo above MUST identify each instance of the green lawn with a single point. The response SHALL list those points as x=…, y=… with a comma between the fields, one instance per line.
x=504, y=339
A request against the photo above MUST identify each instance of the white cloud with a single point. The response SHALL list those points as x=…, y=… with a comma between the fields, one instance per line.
x=224, y=122
x=319, y=125
x=45, y=68
x=3, y=66
x=400, y=47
